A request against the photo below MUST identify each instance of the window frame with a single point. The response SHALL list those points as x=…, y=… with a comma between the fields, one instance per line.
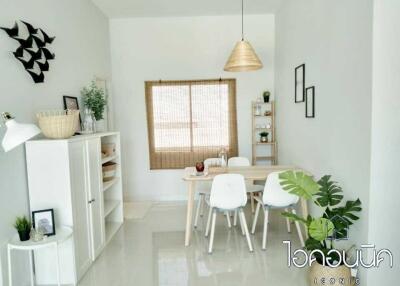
x=180, y=159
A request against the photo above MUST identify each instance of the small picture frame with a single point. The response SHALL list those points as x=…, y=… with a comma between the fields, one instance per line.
x=43, y=221
x=299, y=83
x=71, y=103
x=310, y=102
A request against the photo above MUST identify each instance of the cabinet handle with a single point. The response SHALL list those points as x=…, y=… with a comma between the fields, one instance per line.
x=91, y=201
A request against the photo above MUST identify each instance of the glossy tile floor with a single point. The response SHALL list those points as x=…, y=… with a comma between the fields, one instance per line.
x=150, y=251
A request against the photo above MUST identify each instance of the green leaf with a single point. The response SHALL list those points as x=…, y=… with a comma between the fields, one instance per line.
x=294, y=217
x=313, y=244
x=298, y=183
x=321, y=228
x=329, y=193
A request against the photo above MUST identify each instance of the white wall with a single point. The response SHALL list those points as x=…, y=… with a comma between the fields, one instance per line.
x=82, y=52
x=385, y=153
x=179, y=48
x=334, y=40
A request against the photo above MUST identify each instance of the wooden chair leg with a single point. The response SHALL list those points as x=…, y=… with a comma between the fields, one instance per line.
x=214, y=217
x=208, y=221
x=265, y=230
x=253, y=228
x=288, y=222
x=299, y=230
x=246, y=230
x=196, y=216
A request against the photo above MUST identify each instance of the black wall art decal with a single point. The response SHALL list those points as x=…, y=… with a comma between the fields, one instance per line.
x=32, y=52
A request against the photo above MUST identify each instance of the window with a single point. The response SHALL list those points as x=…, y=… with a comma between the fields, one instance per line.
x=189, y=121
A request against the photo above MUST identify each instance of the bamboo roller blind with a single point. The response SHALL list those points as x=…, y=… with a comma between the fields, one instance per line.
x=190, y=120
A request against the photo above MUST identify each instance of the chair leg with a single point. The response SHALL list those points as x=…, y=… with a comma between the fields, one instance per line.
x=235, y=218
x=196, y=216
x=228, y=219
x=252, y=202
x=299, y=230
x=246, y=230
x=208, y=221
x=264, y=239
x=253, y=228
x=241, y=224
x=288, y=222
x=214, y=217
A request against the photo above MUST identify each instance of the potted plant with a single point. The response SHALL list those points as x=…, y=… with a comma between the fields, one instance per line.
x=23, y=226
x=94, y=98
x=266, y=95
x=323, y=230
x=264, y=137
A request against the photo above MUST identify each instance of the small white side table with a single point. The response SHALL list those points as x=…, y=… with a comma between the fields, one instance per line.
x=62, y=234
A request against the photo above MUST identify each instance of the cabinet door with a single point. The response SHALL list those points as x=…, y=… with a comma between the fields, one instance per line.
x=95, y=195
x=80, y=206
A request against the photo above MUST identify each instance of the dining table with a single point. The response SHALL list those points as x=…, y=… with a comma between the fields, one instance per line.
x=251, y=173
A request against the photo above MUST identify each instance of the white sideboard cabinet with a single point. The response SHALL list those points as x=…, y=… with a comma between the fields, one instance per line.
x=66, y=175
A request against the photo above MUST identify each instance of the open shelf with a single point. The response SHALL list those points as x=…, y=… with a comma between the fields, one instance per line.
x=109, y=184
x=109, y=206
x=264, y=143
x=108, y=159
x=111, y=229
x=262, y=116
x=264, y=158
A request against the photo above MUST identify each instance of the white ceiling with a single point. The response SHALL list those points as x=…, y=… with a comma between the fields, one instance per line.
x=171, y=8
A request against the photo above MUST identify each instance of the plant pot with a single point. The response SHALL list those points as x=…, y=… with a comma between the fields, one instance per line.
x=264, y=139
x=266, y=98
x=324, y=275
x=100, y=125
x=24, y=235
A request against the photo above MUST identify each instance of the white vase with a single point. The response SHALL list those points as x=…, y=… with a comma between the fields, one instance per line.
x=100, y=125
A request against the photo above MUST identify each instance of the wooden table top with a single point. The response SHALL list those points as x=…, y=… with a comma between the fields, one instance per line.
x=250, y=173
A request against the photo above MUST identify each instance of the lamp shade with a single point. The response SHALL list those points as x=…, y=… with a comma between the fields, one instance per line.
x=243, y=58
x=18, y=133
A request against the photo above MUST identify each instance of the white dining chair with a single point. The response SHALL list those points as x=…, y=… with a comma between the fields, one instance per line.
x=203, y=190
x=250, y=186
x=228, y=193
x=275, y=197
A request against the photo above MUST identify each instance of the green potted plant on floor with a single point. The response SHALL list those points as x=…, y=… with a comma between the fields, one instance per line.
x=324, y=230
x=23, y=226
x=264, y=137
x=94, y=98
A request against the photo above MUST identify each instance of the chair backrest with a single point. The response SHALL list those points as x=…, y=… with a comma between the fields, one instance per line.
x=212, y=161
x=274, y=195
x=238, y=162
x=228, y=191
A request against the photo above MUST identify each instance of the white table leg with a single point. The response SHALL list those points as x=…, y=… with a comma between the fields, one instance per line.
x=9, y=265
x=31, y=266
x=58, y=265
x=189, y=213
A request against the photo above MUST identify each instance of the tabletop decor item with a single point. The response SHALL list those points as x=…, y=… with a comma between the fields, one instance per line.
x=33, y=51
x=58, y=124
x=264, y=137
x=43, y=221
x=266, y=95
x=94, y=98
x=71, y=103
x=223, y=156
x=23, y=226
x=323, y=231
x=36, y=235
x=89, y=122
x=267, y=113
x=200, y=168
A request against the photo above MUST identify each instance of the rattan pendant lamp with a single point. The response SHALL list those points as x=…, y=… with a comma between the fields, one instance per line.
x=243, y=56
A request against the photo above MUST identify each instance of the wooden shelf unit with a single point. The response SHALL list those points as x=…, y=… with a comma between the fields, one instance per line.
x=263, y=152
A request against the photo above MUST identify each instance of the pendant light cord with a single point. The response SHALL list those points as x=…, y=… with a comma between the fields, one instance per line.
x=242, y=23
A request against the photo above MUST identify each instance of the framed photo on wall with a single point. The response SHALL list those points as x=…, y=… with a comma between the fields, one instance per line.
x=71, y=103
x=299, y=85
x=310, y=102
x=43, y=221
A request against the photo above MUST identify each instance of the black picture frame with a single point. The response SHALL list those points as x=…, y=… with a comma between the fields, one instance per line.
x=299, y=83
x=71, y=103
x=38, y=218
x=310, y=102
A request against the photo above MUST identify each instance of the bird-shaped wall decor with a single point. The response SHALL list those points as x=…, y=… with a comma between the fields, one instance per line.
x=33, y=52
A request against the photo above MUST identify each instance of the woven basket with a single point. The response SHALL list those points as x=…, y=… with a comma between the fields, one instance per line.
x=324, y=275
x=58, y=124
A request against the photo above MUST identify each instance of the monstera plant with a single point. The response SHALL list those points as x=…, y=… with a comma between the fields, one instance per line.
x=336, y=217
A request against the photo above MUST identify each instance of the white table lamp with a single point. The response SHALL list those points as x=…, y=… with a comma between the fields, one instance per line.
x=17, y=133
